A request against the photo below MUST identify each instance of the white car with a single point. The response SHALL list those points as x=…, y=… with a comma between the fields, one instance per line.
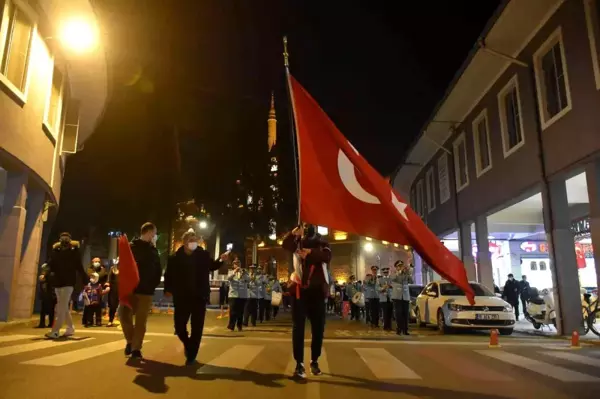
x=445, y=305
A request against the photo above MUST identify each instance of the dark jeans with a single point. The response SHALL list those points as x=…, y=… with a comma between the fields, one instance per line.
x=264, y=309
x=374, y=312
x=515, y=304
x=275, y=311
x=524, y=304
x=236, y=312
x=47, y=310
x=311, y=305
x=88, y=314
x=388, y=308
x=261, y=309
x=251, y=311
x=354, y=312
x=401, y=308
x=193, y=308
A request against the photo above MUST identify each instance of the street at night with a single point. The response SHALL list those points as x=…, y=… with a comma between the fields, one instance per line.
x=257, y=363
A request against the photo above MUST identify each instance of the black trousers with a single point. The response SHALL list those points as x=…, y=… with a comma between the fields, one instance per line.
x=401, y=309
x=264, y=309
x=89, y=311
x=47, y=310
x=354, y=312
x=275, y=311
x=388, y=308
x=189, y=309
x=236, y=312
x=251, y=311
x=261, y=309
x=311, y=306
x=374, y=312
x=524, y=304
x=515, y=304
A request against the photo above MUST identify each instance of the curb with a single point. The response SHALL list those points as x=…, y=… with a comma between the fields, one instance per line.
x=9, y=325
x=589, y=341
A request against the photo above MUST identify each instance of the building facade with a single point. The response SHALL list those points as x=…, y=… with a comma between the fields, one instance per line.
x=51, y=97
x=508, y=166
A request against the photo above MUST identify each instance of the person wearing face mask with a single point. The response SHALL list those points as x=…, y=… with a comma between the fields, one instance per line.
x=150, y=271
x=92, y=298
x=66, y=271
x=187, y=281
x=308, y=288
x=511, y=293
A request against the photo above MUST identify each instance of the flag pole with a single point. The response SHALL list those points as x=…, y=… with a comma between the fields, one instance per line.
x=293, y=124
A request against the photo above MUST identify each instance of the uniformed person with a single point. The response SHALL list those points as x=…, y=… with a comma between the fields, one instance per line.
x=251, y=311
x=385, y=298
x=261, y=279
x=238, y=288
x=372, y=291
x=401, y=296
x=351, y=290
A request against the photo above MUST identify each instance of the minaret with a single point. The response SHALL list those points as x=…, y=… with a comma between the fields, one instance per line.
x=272, y=125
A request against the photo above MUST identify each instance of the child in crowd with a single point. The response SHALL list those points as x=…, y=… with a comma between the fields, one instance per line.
x=92, y=299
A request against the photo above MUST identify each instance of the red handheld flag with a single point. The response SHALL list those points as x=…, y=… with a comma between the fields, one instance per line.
x=331, y=193
x=129, y=276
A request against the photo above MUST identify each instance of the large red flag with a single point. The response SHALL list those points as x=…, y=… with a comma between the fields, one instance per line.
x=129, y=276
x=333, y=194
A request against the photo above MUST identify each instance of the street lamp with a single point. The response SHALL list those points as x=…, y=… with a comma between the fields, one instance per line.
x=79, y=35
x=203, y=225
x=368, y=247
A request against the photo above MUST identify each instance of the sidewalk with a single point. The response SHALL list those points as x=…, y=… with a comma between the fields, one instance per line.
x=525, y=327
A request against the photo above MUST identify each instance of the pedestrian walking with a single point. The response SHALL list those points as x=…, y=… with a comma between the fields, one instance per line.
x=146, y=257
x=511, y=293
x=113, y=293
x=92, y=297
x=238, y=292
x=187, y=281
x=401, y=296
x=524, y=288
x=308, y=289
x=47, y=297
x=66, y=270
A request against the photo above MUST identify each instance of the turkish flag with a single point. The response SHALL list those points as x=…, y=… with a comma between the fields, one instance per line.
x=580, y=255
x=129, y=276
x=340, y=190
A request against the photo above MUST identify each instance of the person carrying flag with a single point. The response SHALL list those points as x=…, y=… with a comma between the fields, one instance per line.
x=308, y=289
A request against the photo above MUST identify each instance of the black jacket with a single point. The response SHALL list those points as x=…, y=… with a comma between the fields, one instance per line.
x=524, y=287
x=511, y=291
x=320, y=253
x=66, y=268
x=149, y=269
x=188, y=275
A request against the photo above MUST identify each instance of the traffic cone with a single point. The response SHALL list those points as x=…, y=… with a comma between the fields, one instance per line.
x=494, y=339
x=575, y=341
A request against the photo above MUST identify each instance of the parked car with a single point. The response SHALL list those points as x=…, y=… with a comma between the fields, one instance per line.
x=445, y=305
x=415, y=290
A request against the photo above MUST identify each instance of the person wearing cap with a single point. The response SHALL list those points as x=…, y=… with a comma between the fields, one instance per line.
x=385, y=298
x=351, y=290
x=401, y=296
x=371, y=292
x=251, y=310
x=66, y=272
x=238, y=293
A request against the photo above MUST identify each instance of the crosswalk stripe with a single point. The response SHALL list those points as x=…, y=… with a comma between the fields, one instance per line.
x=15, y=349
x=548, y=370
x=464, y=366
x=16, y=337
x=65, y=358
x=574, y=357
x=323, y=362
x=384, y=366
x=233, y=361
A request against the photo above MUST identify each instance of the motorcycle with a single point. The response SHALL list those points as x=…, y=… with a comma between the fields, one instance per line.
x=540, y=308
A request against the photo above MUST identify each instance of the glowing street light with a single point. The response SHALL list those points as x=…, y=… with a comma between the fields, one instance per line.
x=272, y=237
x=203, y=225
x=368, y=247
x=78, y=35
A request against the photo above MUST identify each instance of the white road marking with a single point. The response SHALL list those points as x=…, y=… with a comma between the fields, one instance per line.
x=384, y=365
x=574, y=357
x=546, y=369
x=233, y=361
x=16, y=337
x=44, y=344
x=62, y=359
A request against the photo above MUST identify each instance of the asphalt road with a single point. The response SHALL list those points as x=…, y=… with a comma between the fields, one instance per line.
x=257, y=362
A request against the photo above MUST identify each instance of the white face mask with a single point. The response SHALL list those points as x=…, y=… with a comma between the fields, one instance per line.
x=96, y=264
x=93, y=280
x=192, y=246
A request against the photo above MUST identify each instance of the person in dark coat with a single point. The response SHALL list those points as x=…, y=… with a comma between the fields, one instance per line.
x=113, y=293
x=308, y=294
x=66, y=270
x=524, y=288
x=187, y=281
x=511, y=293
x=47, y=297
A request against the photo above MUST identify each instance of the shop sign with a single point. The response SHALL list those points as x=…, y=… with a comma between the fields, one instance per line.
x=528, y=246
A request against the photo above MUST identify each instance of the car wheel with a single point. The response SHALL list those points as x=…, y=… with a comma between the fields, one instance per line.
x=420, y=322
x=441, y=323
x=506, y=331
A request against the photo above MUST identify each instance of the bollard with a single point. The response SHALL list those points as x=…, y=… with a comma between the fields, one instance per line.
x=575, y=341
x=494, y=339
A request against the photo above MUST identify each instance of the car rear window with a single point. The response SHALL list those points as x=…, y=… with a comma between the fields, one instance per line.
x=452, y=290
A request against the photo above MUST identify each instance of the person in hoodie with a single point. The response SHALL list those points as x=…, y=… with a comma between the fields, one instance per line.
x=308, y=292
x=47, y=297
x=187, y=281
x=146, y=257
x=66, y=271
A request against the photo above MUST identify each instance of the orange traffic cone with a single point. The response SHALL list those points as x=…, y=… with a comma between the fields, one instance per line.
x=575, y=341
x=494, y=339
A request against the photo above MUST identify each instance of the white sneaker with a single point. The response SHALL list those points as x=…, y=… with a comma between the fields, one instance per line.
x=52, y=335
x=69, y=333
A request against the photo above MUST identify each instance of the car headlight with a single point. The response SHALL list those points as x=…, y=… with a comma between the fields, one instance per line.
x=454, y=307
x=508, y=308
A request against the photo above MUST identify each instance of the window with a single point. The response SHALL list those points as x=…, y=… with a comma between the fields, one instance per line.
x=542, y=266
x=481, y=138
x=552, y=81
x=16, y=31
x=420, y=199
x=443, y=178
x=592, y=19
x=511, y=119
x=460, y=162
x=533, y=266
x=430, y=185
x=55, y=103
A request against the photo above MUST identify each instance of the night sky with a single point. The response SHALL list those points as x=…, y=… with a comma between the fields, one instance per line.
x=206, y=70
